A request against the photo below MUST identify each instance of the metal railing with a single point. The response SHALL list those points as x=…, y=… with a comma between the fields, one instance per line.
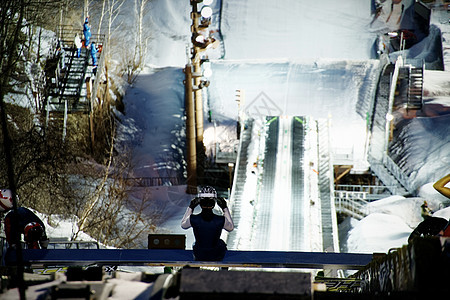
x=54, y=243
x=153, y=181
x=66, y=33
x=413, y=267
x=380, y=163
x=66, y=244
x=351, y=203
x=373, y=192
x=395, y=170
x=386, y=177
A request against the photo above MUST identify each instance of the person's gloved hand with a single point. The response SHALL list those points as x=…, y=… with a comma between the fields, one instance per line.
x=221, y=202
x=44, y=243
x=194, y=202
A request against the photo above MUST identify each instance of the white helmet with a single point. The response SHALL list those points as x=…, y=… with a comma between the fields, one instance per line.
x=207, y=192
x=6, y=201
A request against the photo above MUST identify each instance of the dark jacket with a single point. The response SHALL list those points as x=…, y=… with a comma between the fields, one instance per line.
x=207, y=228
x=429, y=227
x=24, y=217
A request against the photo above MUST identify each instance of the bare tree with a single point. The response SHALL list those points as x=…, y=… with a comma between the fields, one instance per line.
x=141, y=40
x=20, y=48
x=102, y=15
x=87, y=4
x=133, y=59
x=40, y=164
x=124, y=222
x=25, y=148
x=99, y=191
x=113, y=10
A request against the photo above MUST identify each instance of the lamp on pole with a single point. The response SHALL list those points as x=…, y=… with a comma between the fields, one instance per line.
x=194, y=83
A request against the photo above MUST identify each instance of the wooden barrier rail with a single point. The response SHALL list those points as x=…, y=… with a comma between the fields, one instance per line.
x=179, y=257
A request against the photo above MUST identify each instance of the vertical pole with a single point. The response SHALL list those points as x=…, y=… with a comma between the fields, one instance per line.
x=240, y=99
x=47, y=114
x=92, y=130
x=199, y=120
x=91, y=113
x=65, y=121
x=60, y=35
x=198, y=99
x=190, y=133
x=230, y=173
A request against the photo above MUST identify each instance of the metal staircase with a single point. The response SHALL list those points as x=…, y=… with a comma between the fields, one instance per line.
x=71, y=80
x=353, y=204
x=415, y=88
x=352, y=200
x=380, y=163
x=71, y=83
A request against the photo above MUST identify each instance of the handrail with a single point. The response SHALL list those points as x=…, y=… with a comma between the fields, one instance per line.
x=153, y=181
x=397, y=172
x=412, y=267
x=67, y=33
x=369, y=189
x=383, y=166
x=353, y=203
x=68, y=244
x=180, y=257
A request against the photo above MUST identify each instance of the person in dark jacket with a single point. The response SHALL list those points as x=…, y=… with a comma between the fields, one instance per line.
x=22, y=222
x=207, y=225
x=30, y=225
x=431, y=226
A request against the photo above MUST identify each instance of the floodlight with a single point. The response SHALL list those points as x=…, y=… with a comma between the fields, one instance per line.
x=200, y=39
x=206, y=12
x=389, y=117
x=207, y=2
x=392, y=34
x=207, y=72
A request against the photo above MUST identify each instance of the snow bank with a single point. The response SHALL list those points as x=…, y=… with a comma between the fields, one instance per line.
x=391, y=221
x=378, y=233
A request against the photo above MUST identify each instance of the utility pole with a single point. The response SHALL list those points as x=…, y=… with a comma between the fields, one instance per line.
x=198, y=116
x=193, y=87
x=190, y=133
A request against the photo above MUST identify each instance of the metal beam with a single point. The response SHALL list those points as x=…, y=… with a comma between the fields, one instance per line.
x=179, y=257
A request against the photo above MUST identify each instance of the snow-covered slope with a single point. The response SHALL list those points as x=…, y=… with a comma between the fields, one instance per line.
x=297, y=29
